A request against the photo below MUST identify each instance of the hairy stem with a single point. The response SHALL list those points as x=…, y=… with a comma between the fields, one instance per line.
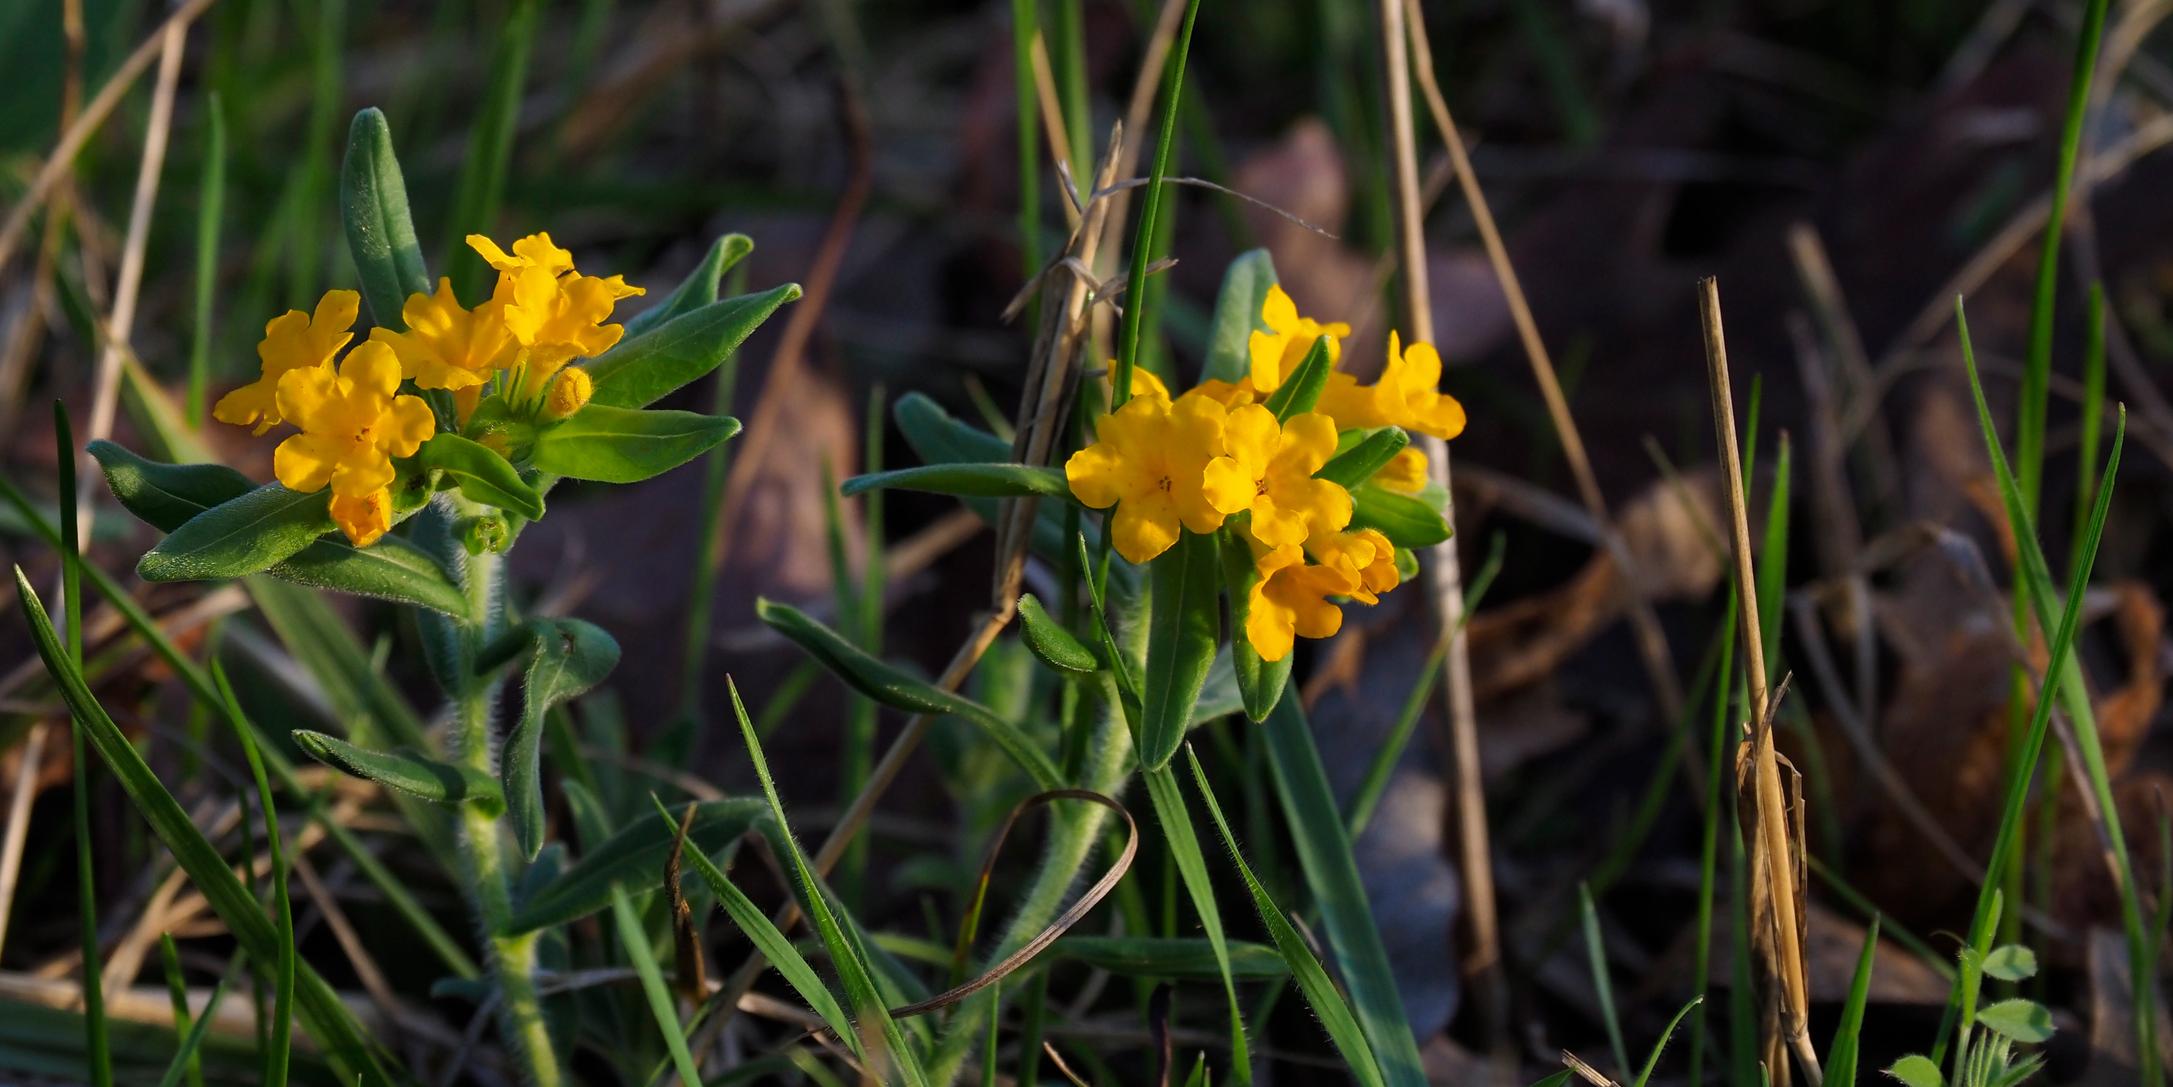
x=485, y=845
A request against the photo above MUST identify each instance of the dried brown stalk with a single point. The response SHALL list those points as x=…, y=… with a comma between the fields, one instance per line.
x=1775, y=842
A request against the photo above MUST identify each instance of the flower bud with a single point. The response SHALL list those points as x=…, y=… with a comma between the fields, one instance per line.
x=484, y=534
x=569, y=391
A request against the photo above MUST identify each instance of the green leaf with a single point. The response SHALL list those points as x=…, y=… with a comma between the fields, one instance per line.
x=1301, y=388
x=482, y=474
x=570, y=657
x=634, y=940
x=1841, y=1057
x=627, y=445
x=1237, y=316
x=1357, y=464
x=698, y=289
x=330, y=1023
x=1916, y=1070
x=2018, y=1019
x=1185, y=586
x=847, y=956
x=1260, y=683
x=380, y=229
x=1179, y=958
x=940, y=438
x=1320, y=991
x=167, y=496
x=406, y=771
x=1406, y=521
x=1652, y=1060
x=642, y=369
x=1057, y=647
x=1184, y=848
x=1315, y=826
x=243, y=535
x=2012, y=962
x=632, y=858
x=1000, y=480
x=895, y=687
x=771, y=943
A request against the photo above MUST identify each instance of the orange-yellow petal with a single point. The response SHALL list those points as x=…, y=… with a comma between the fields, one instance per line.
x=364, y=518
x=1405, y=473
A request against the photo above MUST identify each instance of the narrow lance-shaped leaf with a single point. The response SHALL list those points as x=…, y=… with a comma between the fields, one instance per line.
x=1842, y=1055
x=627, y=445
x=1357, y=464
x=698, y=289
x=380, y=229
x=1300, y=391
x=1184, y=847
x=1186, y=620
x=1237, y=315
x=643, y=368
x=570, y=657
x=894, y=687
x=1055, y=646
x=482, y=474
x=632, y=858
x=245, y=535
x=1320, y=991
x=416, y=775
x=1260, y=683
x=1001, y=480
x=1406, y=521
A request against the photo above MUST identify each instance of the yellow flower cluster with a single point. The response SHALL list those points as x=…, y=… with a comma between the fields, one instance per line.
x=1191, y=462
x=354, y=421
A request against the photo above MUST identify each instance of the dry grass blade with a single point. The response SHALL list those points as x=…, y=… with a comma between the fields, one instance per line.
x=686, y=935
x=1776, y=881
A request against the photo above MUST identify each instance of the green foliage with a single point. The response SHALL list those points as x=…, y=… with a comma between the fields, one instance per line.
x=633, y=858
x=626, y=445
x=380, y=229
x=1260, y=683
x=570, y=656
x=244, y=535
x=1406, y=521
x=698, y=289
x=1182, y=629
x=407, y=771
x=1057, y=647
x=643, y=369
x=1301, y=388
x=1370, y=454
x=1237, y=316
x=482, y=474
x=1003, y=480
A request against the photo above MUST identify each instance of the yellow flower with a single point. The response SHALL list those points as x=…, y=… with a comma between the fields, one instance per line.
x=1405, y=473
x=534, y=251
x=1410, y=388
x=1290, y=600
x=1364, y=560
x=1231, y=395
x=1278, y=351
x=1145, y=383
x=447, y=347
x=1268, y=468
x=569, y=393
x=353, y=425
x=364, y=519
x=1408, y=395
x=292, y=341
x=1149, y=464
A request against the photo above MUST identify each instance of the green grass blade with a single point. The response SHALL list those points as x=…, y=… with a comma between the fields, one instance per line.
x=1184, y=848
x=2064, y=682
x=1320, y=991
x=636, y=943
x=1595, y=950
x=846, y=957
x=188, y=1061
x=177, y=987
x=1652, y=1060
x=1773, y=565
x=490, y=150
x=95, y=1041
x=1324, y=852
x=772, y=943
x=1150, y=209
x=276, y=1059
x=210, y=206
x=330, y=1022
x=1841, y=1056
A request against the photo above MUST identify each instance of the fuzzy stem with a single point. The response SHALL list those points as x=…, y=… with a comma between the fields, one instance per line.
x=485, y=847
x=1074, y=829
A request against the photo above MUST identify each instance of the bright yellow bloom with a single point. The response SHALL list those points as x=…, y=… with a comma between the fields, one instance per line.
x=364, y=519
x=1290, y=600
x=1408, y=395
x=1268, y=467
x=569, y=393
x=534, y=251
x=1149, y=463
x=1278, y=351
x=292, y=341
x=353, y=425
x=1405, y=473
x=447, y=347
x=1231, y=395
x=1364, y=560
x=1145, y=383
